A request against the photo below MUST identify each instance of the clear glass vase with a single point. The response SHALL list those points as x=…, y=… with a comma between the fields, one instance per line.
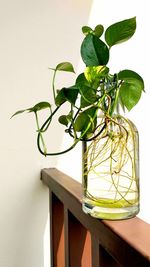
x=111, y=170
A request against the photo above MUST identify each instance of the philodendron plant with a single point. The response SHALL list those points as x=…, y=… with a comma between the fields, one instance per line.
x=96, y=92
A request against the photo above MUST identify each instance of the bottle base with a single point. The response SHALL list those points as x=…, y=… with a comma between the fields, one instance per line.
x=107, y=213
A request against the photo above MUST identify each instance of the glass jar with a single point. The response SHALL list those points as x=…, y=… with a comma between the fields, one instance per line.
x=111, y=170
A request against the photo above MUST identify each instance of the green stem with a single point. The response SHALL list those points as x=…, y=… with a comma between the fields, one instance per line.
x=76, y=140
x=42, y=129
x=53, y=85
x=40, y=133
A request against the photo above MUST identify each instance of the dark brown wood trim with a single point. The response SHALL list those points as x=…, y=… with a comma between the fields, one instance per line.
x=106, y=243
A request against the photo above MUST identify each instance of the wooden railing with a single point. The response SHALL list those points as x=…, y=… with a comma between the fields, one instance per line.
x=78, y=240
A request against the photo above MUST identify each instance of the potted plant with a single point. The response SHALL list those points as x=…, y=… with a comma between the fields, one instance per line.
x=109, y=139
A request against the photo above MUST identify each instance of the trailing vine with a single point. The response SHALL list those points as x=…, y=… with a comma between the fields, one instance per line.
x=95, y=93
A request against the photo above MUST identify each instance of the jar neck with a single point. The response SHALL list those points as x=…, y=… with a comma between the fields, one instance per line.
x=119, y=110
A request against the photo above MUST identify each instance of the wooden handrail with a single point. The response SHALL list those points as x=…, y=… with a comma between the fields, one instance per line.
x=78, y=240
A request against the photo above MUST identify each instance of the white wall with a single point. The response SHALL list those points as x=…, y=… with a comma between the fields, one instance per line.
x=34, y=35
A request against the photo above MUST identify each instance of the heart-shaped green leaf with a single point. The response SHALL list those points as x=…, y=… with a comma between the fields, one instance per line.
x=130, y=94
x=60, y=98
x=86, y=30
x=99, y=29
x=63, y=120
x=82, y=80
x=87, y=92
x=120, y=31
x=129, y=76
x=39, y=106
x=64, y=66
x=95, y=73
x=131, y=88
x=71, y=94
x=94, y=52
